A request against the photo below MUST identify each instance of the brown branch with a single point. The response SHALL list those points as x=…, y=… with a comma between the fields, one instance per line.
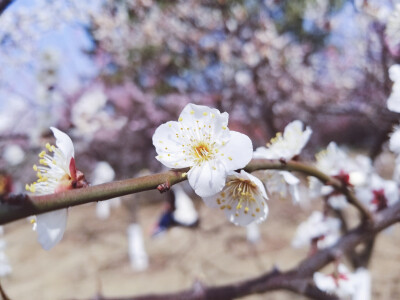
x=21, y=206
x=298, y=280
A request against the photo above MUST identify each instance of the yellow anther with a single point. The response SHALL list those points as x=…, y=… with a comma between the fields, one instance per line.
x=214, y=168
x=236, y=214
x=253, y=215
x=239, y=206
x=33, y=221
x=192, y=112
x=169, y=125
x=230, y=158
x=33, y=189
x=218, y=201
x=258, y=209
x=35, y=168
x=184, y=174
x=222, y=207
x=180, y=119
x=223, y=194
x=160, y=142
x=229, y=207
x=246, y=209
x=38, y=174
x=43, y=162
x=49, y=147
x=205, y=113
x=54, y=162
x=42, y=154
x=27, y=187
x=223, y=127
x=212, y=116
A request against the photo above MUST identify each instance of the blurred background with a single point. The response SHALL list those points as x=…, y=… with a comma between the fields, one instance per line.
x=109, y=72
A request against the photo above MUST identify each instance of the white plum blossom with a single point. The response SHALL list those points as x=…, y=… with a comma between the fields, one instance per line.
x=89, y=114
x=282, y=183
x=243, y=199
x=318, y=230
x=285, y=146
x=55, y=173
x=378, y=193
x=341, y=283
x=202, y=141
x=335, y=162
x=393, y=102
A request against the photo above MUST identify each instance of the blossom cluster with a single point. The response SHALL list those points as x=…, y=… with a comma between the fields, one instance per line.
x=202, y=141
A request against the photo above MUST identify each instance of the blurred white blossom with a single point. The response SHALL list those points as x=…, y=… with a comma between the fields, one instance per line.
x=13, y=154
x=341, y=283
x=318, y=230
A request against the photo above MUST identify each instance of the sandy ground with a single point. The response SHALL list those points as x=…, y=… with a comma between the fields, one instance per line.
x=93, y=258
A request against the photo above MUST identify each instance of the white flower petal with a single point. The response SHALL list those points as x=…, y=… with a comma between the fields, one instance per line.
x=263, y=153
x=394, y=73
x=207, y=179
x=393, y=102
x=51, y=227
x=64, y=143
x=290, y=178
x=242, y=199
x=237, y=152
x=288, y=145
x=198, y=112
x=324, y=282
x=244, y=219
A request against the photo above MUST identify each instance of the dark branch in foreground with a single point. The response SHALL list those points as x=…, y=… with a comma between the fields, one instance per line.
x=298, y=280
x=4, y=4
x=21, y=206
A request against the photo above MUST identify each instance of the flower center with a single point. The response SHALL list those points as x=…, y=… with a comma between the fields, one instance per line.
x=243, y=192
x=202, y=152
